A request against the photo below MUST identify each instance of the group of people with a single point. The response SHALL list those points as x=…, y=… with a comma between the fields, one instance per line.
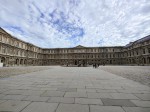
x=95, y=65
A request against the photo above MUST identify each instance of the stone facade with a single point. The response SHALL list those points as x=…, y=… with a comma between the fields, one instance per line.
x=15, y=52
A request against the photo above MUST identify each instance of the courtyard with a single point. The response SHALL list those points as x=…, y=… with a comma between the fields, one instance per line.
x=75, y=89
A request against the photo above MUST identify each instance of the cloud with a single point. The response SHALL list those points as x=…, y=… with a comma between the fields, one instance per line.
x=68, y=23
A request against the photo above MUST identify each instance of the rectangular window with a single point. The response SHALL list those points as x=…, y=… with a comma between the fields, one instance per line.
x=148, y=50
x=143, y=51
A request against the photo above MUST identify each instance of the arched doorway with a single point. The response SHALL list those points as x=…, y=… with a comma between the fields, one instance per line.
x=76, y=62
x=21, y=62
x=33, y=62
x=143, y=60
x=3, y=60
x=84, y=63
x=17, y=61
x=110, y=61
x=25, y=62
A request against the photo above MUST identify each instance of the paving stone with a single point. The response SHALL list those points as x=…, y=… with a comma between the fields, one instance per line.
x=88, y=101
x=14, y=92
x=87, y=90
x=14, y=97
x=41, y=107
x=36, y=98
x=65, y=84
x=123, y=96
x=2, y=96
x=95, y=87
x=136, y=109
x=72, y=108
x=81, y=90
x=132, y=91
x=118, y=102
x=99, y=95
x=140, y=103
x=140, y=87
x=53, y=93
x=106, y=91
x=67, y=89
x=1, y=101
x=95, y=108
x=12, y=105
x=111, y=87
x=76, y=94
x=2, y=90
x=61, y=100
x=77, y=86
x=143, y=96
x=48, y=89
x=33, y=92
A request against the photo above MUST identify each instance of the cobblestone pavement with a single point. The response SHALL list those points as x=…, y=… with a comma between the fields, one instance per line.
x=137, y=73
x=11, y=71
x=76, y=89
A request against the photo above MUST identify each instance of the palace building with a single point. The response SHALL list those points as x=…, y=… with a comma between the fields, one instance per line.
x=15, y=52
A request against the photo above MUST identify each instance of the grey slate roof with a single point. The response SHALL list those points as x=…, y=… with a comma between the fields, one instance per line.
x=138, y=41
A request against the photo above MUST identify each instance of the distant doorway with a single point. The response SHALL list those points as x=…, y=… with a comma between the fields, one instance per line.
x=2, y=60
x=76, y=62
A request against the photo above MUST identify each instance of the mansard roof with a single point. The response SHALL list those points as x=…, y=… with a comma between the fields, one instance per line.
x=144, y=39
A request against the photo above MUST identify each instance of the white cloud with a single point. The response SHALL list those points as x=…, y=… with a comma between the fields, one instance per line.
x=67, y=23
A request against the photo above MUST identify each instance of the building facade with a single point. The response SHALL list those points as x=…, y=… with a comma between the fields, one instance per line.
x=15, y=52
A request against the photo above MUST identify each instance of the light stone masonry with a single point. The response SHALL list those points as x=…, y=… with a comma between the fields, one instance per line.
x=72, y=89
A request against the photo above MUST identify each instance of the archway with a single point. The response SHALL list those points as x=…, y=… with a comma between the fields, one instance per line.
x=21, y=62
x=33, y=62
x=17, y=61
x=76, y=62
x=3, y=60
x=143, y=60
x=25, y=62
x=110, y=61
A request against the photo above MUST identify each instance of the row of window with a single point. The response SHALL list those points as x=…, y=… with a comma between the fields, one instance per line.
x=82, y=50
x=138, y=52
x=13, y=42
x=84, y=56
x=18, y=52
x=19, y=44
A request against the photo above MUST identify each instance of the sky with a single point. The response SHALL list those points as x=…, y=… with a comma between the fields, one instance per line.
x=68, y=23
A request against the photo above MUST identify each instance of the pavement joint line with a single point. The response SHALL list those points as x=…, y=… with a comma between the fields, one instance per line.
x=57, y=107
x=25, y=106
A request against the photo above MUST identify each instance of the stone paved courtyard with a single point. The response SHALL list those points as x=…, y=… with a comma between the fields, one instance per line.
x=72, y=89
x=137, y=73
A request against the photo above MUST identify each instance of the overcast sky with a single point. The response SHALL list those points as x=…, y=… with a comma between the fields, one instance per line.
x=68, y=23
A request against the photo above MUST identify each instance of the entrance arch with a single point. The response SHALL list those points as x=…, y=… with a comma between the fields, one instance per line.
x=3, y=60
x=17, y=61
x=21, y=62
x=143, y=61
x=25, y=62
x=76, y=62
